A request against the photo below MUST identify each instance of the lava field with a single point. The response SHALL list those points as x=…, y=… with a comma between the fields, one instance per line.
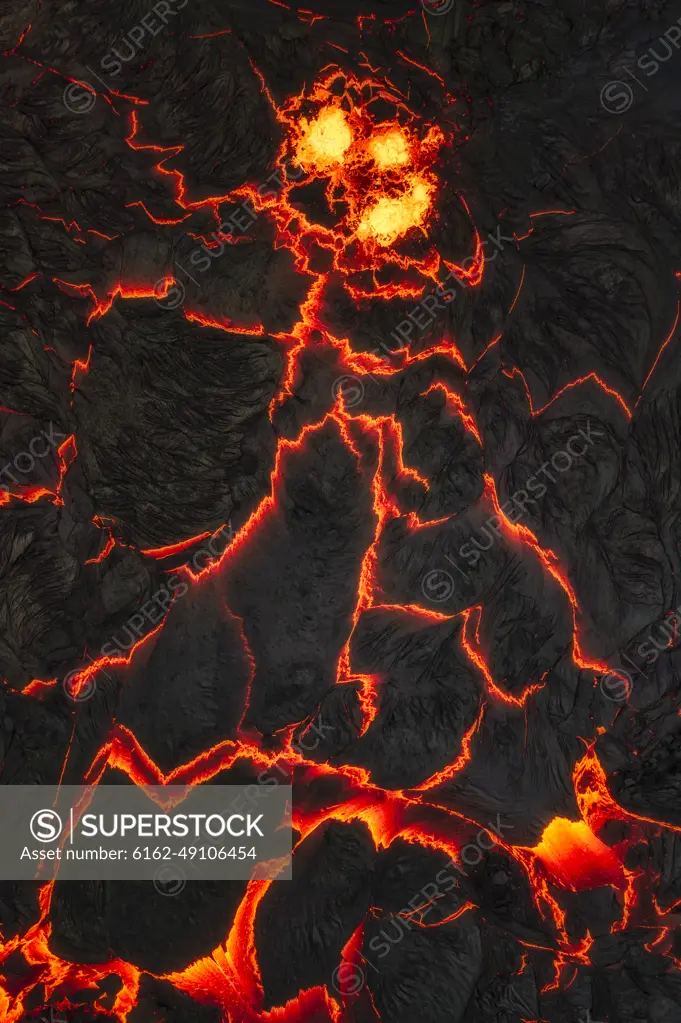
x=340, y=401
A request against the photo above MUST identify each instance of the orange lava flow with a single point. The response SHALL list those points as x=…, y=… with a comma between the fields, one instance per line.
x=575, y=859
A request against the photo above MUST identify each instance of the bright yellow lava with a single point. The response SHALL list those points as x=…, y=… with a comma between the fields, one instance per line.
x=389, y=218
x=390, y=150
x=576, y=857
x=324, y=141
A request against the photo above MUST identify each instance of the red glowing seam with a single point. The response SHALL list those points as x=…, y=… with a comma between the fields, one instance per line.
x=547, y=213
x=414, y=610
x=665, y=932
x=523, y=964
x=579, y=954
x=474, y=654
x=464, y=757
x=336, y=46
x=174, y=548
x=23, y=284
x=44, y=216
x=360, y=362
x=104, y=553
x=384, y=508
x=80, y=679
x=124, y=753
x=263, y=85
x=542, y=213
x=395, y=427
x=402, y=17
x=212, y=35
x=68, y=753
x=226, y=325
x=385, y=291
x=85, y=85
x=29, y=495
x=448, y=919
x=243, y=239
x=248, y=653
x=82, y=366
x=391, y=85
x=672, y=908
x=101, y=308
x=472, y=275
x=268, y=504
x=541, y=894
x=492, y=343
x=659, y=354
x=36, y=687
x=20, y=39
x=455, y=406
x=447, y=348
x=425, y=836
x=100, y=234
x=421, y=67
x=361, y=18
x=517, y=296
x=367, y=63
x=158, y=220
x=593, y=377
x=176, y=175
x=629, y=900
x=66, y=452
x=414, y=523
x=313, y=17
x=425, y=25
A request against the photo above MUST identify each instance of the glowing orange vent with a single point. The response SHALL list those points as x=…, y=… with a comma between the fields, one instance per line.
x=575, y=858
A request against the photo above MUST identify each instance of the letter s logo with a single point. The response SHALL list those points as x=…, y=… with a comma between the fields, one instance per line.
x=46, y=825
x=381, y=944
x=650, y=64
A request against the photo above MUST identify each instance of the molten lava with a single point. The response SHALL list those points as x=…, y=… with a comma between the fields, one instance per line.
x=390, y=149
x=390, y=217
x=575, y=859
x=325, y=140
